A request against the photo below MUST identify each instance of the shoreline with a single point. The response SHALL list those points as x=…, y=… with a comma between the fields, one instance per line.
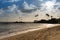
x=31, y=30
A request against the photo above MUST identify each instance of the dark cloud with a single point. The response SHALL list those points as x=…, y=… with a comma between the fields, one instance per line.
x=28, y=11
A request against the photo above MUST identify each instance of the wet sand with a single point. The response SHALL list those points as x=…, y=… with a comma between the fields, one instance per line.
x=52, y=33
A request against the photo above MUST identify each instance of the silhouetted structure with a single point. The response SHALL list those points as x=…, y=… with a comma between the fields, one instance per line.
x=52, y=20
x=18, y=22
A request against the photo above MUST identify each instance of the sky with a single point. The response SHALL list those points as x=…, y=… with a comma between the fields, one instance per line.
x=28, y=10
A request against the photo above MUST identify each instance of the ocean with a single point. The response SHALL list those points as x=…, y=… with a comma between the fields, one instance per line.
x=8, y=28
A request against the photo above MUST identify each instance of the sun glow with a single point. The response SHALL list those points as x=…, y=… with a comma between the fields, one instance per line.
x=49, y=5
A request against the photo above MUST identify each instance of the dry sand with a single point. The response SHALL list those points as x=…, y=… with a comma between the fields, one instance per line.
x=52, y=33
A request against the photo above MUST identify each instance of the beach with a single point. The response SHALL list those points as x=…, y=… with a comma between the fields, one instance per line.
x=41, y=32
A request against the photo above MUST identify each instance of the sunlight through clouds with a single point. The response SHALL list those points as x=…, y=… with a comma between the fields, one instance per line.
x=30, y=8
x=48, y=6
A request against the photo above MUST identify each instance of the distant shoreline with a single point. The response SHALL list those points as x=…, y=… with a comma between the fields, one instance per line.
x=51, y=21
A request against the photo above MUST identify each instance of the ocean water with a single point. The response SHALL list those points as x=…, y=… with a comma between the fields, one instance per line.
x=7, y=28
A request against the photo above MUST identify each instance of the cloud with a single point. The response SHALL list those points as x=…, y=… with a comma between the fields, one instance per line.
x=28, y=7
x=13, y=0
x=12, y=8
x=40, y=0
x=12, y=11
x=30, y=10
x=1, y=11
x=4, y=1
x=49, y=5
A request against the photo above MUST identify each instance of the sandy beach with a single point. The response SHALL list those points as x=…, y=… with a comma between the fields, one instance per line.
x=52, y=33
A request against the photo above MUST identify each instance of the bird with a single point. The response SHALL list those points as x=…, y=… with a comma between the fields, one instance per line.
x=47, y=15
x=36, y=15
